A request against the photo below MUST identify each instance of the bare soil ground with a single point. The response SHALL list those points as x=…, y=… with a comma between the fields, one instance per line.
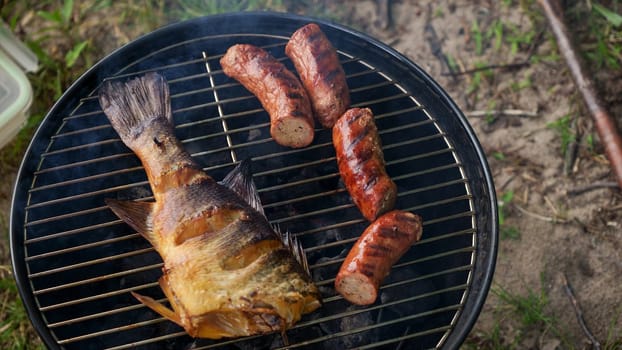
x=550, y=233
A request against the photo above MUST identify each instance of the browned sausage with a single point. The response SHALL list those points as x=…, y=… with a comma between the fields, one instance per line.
x=280, y=92
x=373, y=255
x=321, y=73
x=361, y=163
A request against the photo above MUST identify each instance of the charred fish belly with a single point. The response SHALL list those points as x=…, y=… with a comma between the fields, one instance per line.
x=227, y=272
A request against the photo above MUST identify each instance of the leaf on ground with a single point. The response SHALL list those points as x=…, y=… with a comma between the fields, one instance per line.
x=73, y=54
x=612, y=17
x=66, y=11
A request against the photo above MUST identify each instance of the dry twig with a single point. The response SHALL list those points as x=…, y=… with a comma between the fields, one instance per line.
x=605, y=125
x=540, y=217
x=593, y=186
x=507, y=66
x=384, y=13
x=578, y=312
x=429, y=33
x=503, y=112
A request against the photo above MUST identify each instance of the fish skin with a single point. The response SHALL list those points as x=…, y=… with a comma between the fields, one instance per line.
x=226, y=272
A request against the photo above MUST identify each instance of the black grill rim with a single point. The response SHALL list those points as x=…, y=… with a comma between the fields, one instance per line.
x=479, y=182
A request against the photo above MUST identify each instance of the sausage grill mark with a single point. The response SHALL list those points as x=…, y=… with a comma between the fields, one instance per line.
x=311, y=39
x=361, y=163
x=358, y=138
x=298, y=114
x=295, y=95
x=279, y=91
x=370, y=184
x=330, y=77
x=393, y=232
x=352, y=118
x=322, y=55
x=321, y=73
x=286, y=77
x=377, y=250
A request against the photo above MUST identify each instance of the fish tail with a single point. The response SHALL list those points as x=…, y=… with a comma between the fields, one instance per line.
x=133, y=106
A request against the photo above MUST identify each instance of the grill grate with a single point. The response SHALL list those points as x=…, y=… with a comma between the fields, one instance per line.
x=77, y=262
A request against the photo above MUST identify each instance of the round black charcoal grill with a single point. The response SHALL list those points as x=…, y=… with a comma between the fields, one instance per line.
x=76, y=262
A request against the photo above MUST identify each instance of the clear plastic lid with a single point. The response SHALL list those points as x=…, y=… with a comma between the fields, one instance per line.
x=20, y=54
x=15, y=89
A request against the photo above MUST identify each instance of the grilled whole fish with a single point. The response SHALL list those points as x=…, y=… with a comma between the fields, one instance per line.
x=227, y=272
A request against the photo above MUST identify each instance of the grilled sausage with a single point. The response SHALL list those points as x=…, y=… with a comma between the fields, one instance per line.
x=373, y=255
x=322, y=75
x=278, y=89
x=361, y=163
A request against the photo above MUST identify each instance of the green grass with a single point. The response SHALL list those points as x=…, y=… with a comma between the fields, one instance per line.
x=506, y=231
x=564, y=129
x=185, y=9
x=605, y=29
x=529, y=308
x=15, y=332
x=614, y=335
x=518, y=315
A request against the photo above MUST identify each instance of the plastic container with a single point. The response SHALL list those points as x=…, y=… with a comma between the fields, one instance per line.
x=15, y=89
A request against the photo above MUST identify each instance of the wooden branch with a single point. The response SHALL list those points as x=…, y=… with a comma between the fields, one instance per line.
x=578, y=312
x=605, y=126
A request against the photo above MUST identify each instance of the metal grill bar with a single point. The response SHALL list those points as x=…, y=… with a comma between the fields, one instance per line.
x=111, y=331
x=79, y=147
x=378, y=117
x=140, y=269
x=61, y=234
x=97, y=279
x=377, y=325
x=379, y=306
x=101, y=314
x=346, y=314
x=419, y=260
x=406, y=337
x=212, y=89
x=97, y=297
x=145, y=342
x=81, y=247
x=89, y=263
x=215, y=151
x=82, y=163
x=326, y=300
x=65, y=216
x=86, y=178
x=115, y=222
x=403, y=98
x=225, y=128
x=300, y=324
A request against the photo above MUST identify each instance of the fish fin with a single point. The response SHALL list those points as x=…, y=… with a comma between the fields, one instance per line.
x=240, y=180
x=136, y=214
x=159, y=308
x=295, y=247
x=130, y=106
